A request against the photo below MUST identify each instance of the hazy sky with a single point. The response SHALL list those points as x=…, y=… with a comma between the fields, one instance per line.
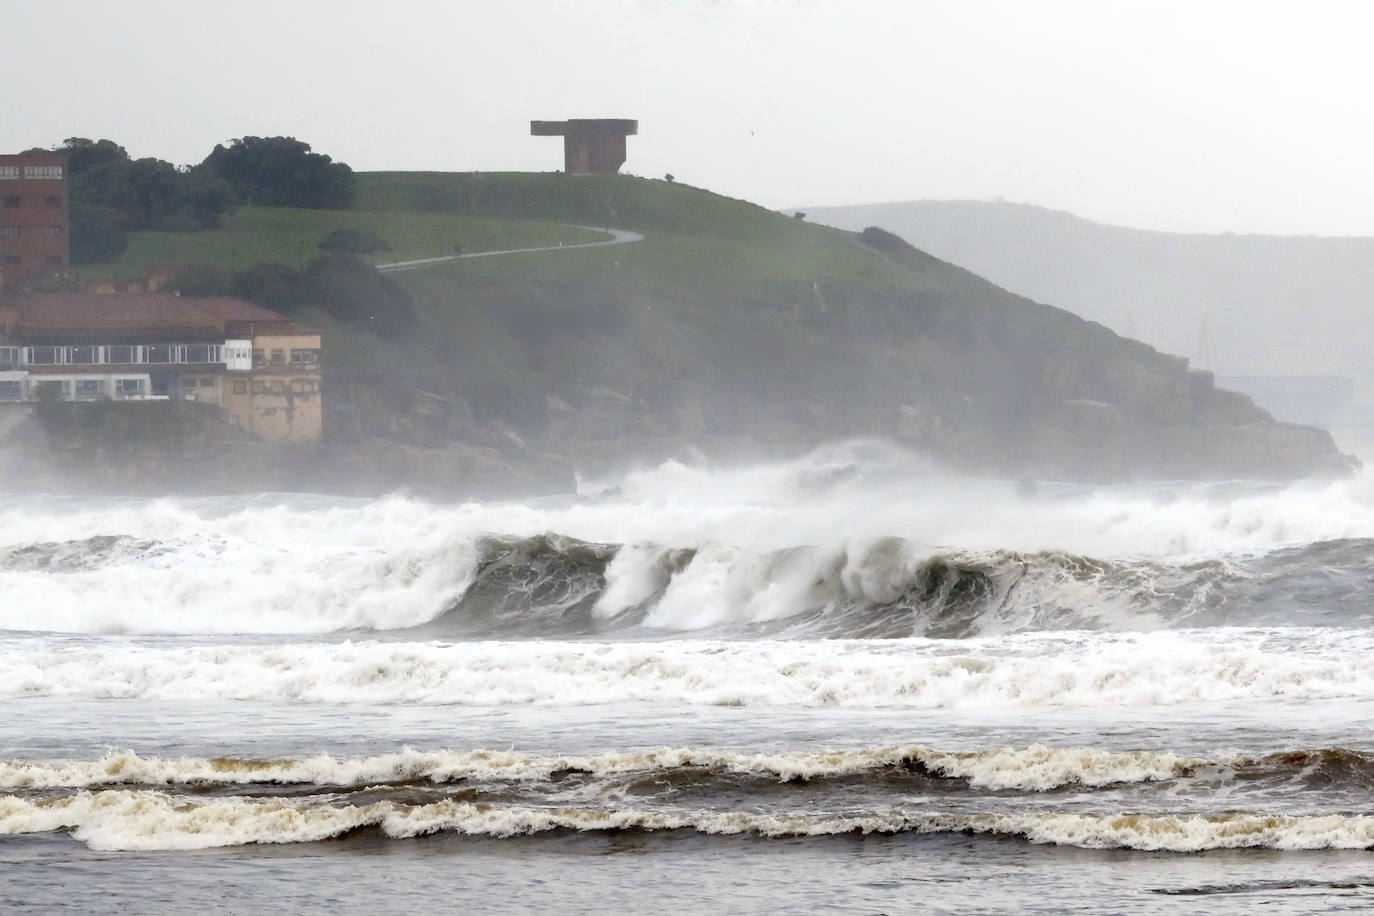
x=1210, y=116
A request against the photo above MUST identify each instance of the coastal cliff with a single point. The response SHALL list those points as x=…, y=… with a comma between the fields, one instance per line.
x=728, y=333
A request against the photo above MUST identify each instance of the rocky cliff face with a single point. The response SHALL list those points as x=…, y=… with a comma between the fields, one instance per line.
x=918, y=351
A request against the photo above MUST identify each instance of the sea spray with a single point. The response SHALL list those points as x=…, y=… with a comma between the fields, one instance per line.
x=1084, y=670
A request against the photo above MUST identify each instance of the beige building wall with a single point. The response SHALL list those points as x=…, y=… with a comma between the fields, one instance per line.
x=280, y=399
x=207, y=388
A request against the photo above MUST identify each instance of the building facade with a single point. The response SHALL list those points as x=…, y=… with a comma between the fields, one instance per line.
x=34, y=219
x=260, y=367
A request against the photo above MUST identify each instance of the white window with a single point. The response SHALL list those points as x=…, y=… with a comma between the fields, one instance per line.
x=9, y=172
x=129, y=388
x=237, y=355
x=89, y=388
x=42, y=171
x=11, y=231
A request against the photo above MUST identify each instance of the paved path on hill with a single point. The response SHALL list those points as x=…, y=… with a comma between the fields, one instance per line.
x=618, y=237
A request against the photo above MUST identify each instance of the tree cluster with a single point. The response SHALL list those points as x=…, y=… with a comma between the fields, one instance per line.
x=355, y=292
x=353, y=241
x=282, y=172
x=113, y=194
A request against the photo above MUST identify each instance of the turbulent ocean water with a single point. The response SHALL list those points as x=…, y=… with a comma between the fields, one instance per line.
x=845, y=683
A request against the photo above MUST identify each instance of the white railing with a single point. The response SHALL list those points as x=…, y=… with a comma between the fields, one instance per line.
x=169, y=354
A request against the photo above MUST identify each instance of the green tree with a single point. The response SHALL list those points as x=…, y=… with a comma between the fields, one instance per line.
x=97, y=233
x=155, y=188
x=282, y=172
x=113, y=194
x=206, y=197
x=356, y=292
x=84, y=154
x=273, y=285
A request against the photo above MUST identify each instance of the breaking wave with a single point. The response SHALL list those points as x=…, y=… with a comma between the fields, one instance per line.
x=124, y=801
x=144, y=820
x=854, y=540
x=1031, y=769
x=549, y=585
x=889, y=588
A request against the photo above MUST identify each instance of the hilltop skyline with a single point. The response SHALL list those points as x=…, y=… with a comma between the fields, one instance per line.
x=1205, y=117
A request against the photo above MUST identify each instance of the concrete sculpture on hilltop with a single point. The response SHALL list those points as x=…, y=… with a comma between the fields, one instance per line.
x=590, y=145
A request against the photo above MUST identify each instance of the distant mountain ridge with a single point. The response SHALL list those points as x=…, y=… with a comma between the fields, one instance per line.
x=1240, y=305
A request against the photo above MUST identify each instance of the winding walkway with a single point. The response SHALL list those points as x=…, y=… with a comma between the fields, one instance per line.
x=618, y=237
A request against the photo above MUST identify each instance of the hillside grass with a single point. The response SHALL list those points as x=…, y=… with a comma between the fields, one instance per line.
x=727, y=321
x=253, y=235
x=715, y=283
x=693, y=238
x=692, y=235
x=718, y=288
x=620, y=201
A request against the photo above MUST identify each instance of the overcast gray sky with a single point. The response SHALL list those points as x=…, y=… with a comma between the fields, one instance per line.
x=1208, y=116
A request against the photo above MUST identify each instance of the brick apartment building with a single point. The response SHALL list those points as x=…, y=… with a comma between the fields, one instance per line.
x=34, y=224
x=260, y=367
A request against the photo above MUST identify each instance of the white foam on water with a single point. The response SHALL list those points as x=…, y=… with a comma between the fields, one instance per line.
x=269, y=570
x=866, y=490
x=702, y=595
x=1036, y=768
x=635, y=574
x=1162, y=668
x=126, y=820
x=772, y=541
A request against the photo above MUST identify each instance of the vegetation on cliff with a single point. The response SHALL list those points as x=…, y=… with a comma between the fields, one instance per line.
x=281, y=172
x=733, y=330
x=740, y=330
x=113, y=194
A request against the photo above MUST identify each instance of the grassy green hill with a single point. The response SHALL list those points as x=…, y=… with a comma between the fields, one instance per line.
x=729, y=328
x=253, y=235
x=594, y=200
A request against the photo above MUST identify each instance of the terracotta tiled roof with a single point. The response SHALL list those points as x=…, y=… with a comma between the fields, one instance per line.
x=281, y=327
x=93, y=312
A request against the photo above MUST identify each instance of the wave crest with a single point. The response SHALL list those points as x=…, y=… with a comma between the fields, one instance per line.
x=143, y=820
x=552, y=585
